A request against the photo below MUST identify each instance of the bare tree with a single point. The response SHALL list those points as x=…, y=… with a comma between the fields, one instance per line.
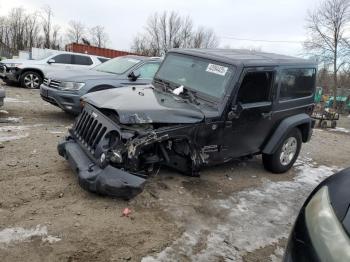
x=98, y=36
x=47, y=25
x=326, y=27
x=204, y=38
x=75, y=31
x=55, y=42
x=170, y=30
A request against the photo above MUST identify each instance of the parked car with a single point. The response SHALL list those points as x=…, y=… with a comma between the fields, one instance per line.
x=30, y=73
x=65, y=88
x=322, y=229
x=2, y=96
x=204, y=107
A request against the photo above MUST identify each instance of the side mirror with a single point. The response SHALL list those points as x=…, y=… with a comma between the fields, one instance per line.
x=51, y=61
x=133, y=77
x=235, y=111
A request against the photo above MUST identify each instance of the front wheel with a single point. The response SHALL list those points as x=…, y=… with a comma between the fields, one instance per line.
x=286, y=154
x=31, y=80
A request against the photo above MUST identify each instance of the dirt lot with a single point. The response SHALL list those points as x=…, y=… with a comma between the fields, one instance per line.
x=235, y=212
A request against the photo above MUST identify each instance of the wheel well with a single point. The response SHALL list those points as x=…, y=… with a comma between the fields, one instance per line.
x=304, y=130
x=33, y=70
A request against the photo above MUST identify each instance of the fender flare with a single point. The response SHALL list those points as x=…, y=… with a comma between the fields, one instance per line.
x=285, y=127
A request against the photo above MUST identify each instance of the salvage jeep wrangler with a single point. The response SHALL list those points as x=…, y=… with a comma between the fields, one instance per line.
x=204, y=107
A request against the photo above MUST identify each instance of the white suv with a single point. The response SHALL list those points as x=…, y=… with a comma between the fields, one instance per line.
x=30, y=73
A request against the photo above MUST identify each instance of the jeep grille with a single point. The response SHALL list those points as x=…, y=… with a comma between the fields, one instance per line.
x=89, y=130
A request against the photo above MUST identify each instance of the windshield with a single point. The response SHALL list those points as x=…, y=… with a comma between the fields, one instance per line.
x=117, y=65
x=198, y=74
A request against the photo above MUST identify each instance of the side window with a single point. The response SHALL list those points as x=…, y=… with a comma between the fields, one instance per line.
x=63, y=59
x=102, y=60
x=297, y=83
x=255, y=87
x=81, y=60
x=148, y=70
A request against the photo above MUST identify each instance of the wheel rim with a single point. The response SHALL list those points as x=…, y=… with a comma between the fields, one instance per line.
x=288, y=151
x=31, y=81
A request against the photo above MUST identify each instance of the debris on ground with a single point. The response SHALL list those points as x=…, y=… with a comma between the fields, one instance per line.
x=126, y=212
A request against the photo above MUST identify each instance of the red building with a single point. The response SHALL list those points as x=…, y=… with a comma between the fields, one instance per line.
x=94, y=50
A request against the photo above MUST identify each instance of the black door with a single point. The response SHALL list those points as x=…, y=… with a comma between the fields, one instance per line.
x=251, y=120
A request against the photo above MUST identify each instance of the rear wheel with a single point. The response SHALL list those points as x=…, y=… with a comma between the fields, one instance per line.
x=31, y=79
x=333, y=124
x=286, y=154
x=323, y=124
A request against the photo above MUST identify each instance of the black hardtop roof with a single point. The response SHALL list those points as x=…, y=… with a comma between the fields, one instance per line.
x=143, y=58
x=245, y=57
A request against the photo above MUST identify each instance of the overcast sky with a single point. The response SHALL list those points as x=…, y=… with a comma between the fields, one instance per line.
x=272, y=20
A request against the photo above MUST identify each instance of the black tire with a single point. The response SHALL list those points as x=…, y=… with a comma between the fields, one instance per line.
x=31, y=80
x=333, y=124
x=273, y=162
x=324, y=124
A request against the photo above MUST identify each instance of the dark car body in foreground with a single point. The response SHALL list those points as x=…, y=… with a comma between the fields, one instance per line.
x=322, y=229
x=2, y=96
x=65, y=88
x=204, y=107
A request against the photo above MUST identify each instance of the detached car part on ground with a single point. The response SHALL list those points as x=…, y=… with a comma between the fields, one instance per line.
x=30, y=73
x=322, y=229
x=204, y=107
x=65, y=88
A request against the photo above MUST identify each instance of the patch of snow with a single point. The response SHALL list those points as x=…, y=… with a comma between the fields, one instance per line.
x=51, y=239
x=4, y=112
x=20, y=234
x=246, y=221
x=277, y=256
x=340, y=129
x=11, y=120
x=14, y=100
x=14, y=137
x=57, y=132
x=9, y=133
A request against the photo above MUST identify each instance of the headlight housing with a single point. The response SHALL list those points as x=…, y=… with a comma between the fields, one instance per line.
x=71, y=85
x=11, y=65
x=327, y=235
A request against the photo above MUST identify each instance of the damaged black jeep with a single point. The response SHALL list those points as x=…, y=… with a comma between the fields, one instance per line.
x=204, y=107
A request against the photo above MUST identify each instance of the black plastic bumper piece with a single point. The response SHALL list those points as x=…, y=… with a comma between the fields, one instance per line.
x=109, y=181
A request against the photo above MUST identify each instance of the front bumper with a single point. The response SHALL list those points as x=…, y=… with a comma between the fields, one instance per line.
x=11, y=74
x=67, y=101
x=105, y=181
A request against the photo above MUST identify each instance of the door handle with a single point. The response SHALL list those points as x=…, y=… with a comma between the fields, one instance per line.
x=266, y=115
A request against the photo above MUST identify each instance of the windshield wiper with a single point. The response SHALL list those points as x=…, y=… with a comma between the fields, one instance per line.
x=164, y=84
x=191, y=95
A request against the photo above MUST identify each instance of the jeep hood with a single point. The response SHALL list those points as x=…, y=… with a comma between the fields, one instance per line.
x=20, y=61
x=137, y=105
x=81, y=75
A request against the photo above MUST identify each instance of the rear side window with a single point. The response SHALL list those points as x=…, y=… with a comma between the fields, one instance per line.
x=63, y=59
x=297, y=83
x=82, y=60
x=102, y=60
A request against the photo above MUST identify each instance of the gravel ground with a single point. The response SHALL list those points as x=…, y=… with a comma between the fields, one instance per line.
x=235, y=212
